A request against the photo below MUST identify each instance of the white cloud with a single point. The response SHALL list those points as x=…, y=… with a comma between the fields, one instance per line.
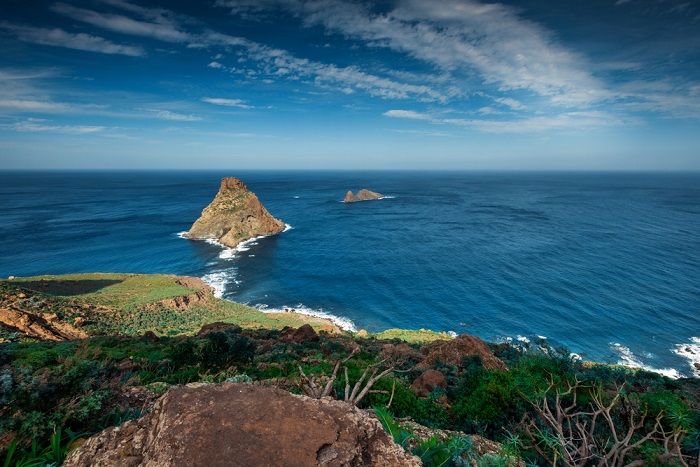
x=460, y=37
x=27, y=105
x=273, y=61
x=81, y=41
x=32, y=127
x=512, y=103
x=227, y=102
x=168, y=115
x=216, y=65
x=160, y=27
x=407, y=114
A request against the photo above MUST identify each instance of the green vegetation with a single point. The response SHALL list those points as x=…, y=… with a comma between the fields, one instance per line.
x=83, y=386
x=546, y=409
x=132, y=304
x=414, y=336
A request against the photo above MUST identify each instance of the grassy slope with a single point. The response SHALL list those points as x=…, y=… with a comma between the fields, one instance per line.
x=130, y=304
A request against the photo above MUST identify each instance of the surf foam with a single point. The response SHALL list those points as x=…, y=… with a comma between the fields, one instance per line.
x=343, y=323
x=628, y=358
x=691, y=351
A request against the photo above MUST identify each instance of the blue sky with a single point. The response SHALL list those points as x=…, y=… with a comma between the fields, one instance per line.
x=337, y=84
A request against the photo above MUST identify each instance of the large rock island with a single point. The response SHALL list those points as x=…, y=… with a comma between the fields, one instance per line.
x=362, y=195
x=235, y=215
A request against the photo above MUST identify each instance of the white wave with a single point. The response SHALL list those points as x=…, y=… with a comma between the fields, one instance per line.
x=691, y=351
x=452, y=334
x=343, y=323
x=523, y=339
x=218, y=281
x=628, y=358
x=541, y=337
x=296, y=197
x=287, y=227
x=182, y=234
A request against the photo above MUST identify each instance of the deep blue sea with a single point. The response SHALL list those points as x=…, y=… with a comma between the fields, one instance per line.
x=607, y=264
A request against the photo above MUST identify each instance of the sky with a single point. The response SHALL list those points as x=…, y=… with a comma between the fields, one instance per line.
x=339, y=84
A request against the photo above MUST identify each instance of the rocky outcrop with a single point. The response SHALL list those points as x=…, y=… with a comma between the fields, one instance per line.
x=362, y=195
x=304, y=333
x=37, y=317
x=454, y=351
x=38, y=326
x=234, y=216
x=203, y=293
x=239, y=424
x=426, y=382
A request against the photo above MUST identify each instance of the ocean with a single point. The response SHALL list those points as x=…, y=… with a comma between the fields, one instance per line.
x=606, y=264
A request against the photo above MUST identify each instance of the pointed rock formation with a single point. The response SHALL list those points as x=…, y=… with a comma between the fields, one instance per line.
x=362, y=195
x=235, y=215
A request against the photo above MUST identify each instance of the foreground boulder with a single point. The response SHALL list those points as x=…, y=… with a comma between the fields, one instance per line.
x=362, y=195
x=234, y=216
x=239, y=424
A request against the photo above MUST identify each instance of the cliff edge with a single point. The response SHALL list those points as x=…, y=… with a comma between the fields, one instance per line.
x=234, y=216
x=362, y=195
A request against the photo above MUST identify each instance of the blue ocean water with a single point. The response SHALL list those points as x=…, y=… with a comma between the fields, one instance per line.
x=607, y=264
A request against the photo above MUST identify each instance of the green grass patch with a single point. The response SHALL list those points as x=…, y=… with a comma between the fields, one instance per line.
x=420, y=336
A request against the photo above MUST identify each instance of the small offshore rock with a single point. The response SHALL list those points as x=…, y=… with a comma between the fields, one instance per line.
x=362, y=195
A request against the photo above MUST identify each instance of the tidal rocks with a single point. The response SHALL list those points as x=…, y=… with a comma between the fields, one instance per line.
x=362, y=195
x=240, y=424
x=234, y=216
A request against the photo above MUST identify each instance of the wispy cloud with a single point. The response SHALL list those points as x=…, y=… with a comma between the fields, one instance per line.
x=459, y=36
x=160, y=27
x=36, y=127
x=227, y=102
x=282, y=63
x=407, y=114
x=169, y=115
x=59, y=38
x=575, y=121
x=25, y=105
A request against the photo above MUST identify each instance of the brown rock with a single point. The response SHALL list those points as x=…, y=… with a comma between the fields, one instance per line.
x=426, y=382
x=79, y=322
x=32, y=325
x=304, y=333
x=362, y=195
x=240, y=424
x=216, y=327
x=234, y=216
x=150, y=336
x=454, y=351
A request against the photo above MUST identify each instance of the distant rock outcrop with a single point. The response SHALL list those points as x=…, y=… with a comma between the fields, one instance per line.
x=240, y=424
x=235, y=215
x=362, y=195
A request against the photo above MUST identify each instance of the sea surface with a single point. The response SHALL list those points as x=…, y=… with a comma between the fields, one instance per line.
x=606, y=264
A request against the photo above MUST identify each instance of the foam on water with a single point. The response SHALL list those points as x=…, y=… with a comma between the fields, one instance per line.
x=218, y=281
x=691, y=351
x=628, y=358
x=343, y=323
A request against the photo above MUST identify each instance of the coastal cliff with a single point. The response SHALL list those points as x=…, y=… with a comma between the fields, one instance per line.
x=362, y=195
x=234, y=216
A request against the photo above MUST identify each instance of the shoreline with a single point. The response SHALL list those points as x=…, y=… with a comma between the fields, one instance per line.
x=326, y=322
